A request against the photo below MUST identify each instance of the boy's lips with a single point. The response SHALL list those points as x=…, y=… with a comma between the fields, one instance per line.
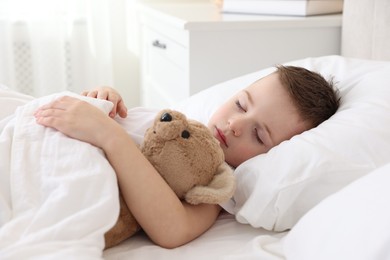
x=221, y=137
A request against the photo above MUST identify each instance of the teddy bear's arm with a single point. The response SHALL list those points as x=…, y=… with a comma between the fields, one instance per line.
x=219, y=190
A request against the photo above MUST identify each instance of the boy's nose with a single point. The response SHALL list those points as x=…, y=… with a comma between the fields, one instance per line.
x=235, y=126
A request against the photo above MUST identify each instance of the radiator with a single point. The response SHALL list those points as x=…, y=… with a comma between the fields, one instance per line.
x=38, y=64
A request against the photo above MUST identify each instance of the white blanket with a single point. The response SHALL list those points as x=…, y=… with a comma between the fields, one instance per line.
x=58, y=196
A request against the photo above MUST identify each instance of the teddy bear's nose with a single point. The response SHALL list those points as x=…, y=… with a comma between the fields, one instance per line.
x=166, y=117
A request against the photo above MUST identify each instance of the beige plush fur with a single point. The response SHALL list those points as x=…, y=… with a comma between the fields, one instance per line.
x=190, y=160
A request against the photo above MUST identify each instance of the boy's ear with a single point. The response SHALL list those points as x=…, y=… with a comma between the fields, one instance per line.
x=220, y=189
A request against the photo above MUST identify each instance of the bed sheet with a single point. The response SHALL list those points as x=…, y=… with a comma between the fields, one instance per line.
x=226, y=239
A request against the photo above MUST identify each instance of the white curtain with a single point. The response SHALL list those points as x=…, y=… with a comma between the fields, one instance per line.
x=48, y=46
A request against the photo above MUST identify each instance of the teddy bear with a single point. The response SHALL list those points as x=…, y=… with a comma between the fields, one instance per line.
x=190, y=160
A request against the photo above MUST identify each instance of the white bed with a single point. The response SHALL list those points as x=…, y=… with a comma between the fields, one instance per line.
x=278, y=188
x=321, y=195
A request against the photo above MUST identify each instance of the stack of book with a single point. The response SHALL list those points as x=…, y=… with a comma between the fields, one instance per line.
x=283, y=7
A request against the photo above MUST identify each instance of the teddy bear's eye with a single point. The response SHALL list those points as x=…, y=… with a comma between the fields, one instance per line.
x=185, y=134
x=166, y=117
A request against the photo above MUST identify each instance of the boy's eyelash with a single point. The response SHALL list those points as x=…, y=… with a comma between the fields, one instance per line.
x=257, y=136
x=238, y=104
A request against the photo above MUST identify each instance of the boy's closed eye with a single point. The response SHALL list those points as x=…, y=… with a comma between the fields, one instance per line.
x=240, y=107
x=257, y=136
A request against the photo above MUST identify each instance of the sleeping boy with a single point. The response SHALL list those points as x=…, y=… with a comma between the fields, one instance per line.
x=275, y=108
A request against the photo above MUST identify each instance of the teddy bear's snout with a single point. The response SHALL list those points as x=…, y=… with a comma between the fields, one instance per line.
x=166, y=118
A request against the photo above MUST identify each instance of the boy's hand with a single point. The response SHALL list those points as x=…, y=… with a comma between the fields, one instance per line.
x=78, y=119
x=110, y=94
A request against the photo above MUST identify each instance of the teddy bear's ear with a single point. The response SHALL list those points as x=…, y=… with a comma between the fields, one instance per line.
x=219, y=190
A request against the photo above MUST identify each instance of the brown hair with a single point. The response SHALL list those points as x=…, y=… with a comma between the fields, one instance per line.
x=315, y=98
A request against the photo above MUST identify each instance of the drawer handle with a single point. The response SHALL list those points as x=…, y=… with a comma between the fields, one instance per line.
x=158, y=44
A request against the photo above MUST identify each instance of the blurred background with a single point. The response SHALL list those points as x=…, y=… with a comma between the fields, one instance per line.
x=48, y=46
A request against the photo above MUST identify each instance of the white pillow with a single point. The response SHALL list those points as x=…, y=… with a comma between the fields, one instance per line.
x=277, y=188
x=351, y=224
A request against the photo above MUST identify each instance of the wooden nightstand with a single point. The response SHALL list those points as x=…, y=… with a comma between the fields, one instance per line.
x=189, y=47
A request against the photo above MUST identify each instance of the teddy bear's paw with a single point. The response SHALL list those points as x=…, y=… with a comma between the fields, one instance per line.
x=125, y=226
x=219, y=190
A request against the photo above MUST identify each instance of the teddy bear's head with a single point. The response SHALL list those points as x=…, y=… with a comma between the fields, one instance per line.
x=189, y=158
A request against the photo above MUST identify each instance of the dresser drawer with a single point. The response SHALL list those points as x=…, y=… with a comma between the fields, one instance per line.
x=164, y=70
x=164, y=81
x=160, y=45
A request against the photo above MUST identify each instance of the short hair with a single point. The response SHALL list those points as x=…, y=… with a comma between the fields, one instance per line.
x=315, y=97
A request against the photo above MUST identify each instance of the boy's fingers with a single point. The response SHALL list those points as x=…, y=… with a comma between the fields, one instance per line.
x=102, y=95
x=122, y=109
x=92, y=94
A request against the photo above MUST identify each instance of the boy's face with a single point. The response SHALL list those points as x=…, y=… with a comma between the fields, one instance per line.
x=256, y=119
